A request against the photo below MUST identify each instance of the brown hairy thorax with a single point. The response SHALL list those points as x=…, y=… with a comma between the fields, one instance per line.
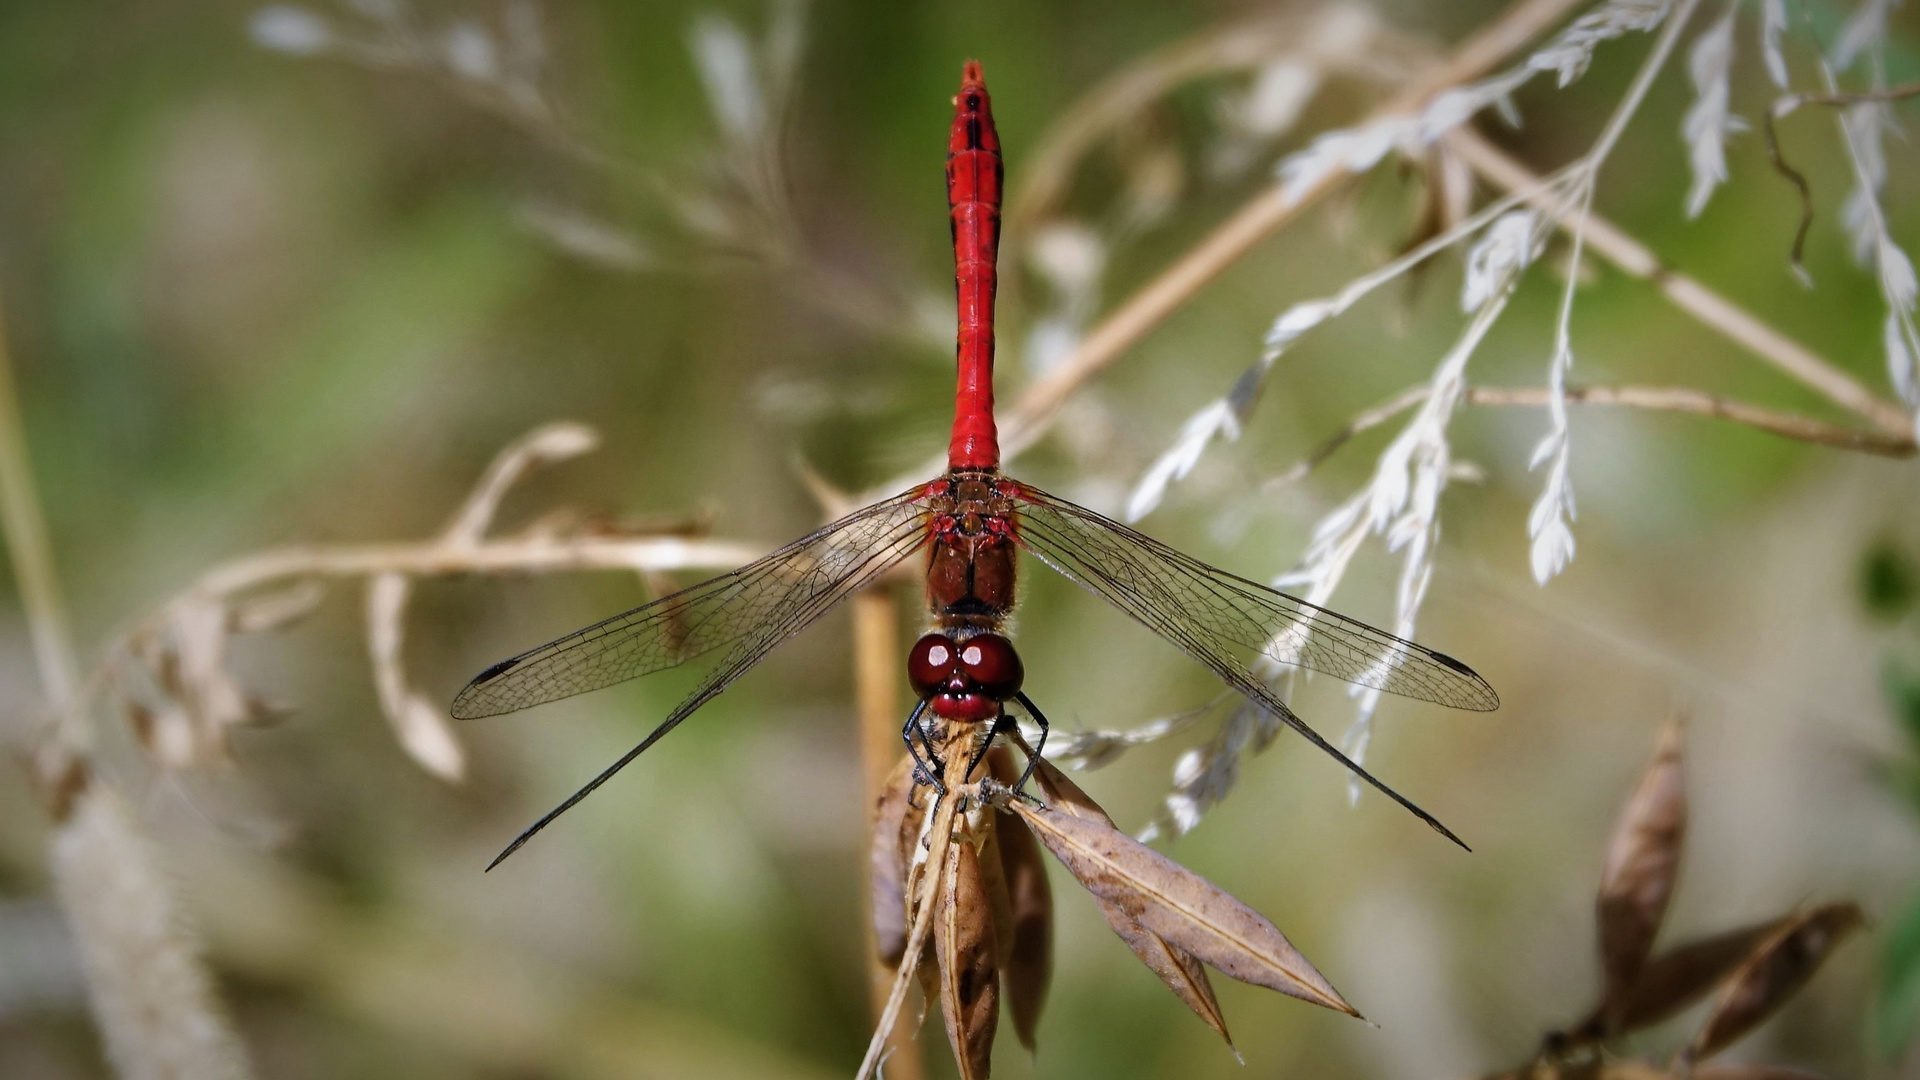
x=970, y=569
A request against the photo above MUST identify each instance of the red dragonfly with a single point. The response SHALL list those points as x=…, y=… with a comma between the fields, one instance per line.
x=968, y=525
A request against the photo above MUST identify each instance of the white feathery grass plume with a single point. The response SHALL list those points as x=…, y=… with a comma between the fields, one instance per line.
x=470, y=52
x=1092, y=749
x=1773, y=26
x=152, y=998
x=1860, y=130
x=1549, y=524
x=584, y=236
x=292, y=30
x=724, y=57
x=1865, y=32
x=1566, y=56
x=1864, y=127
x=1707, y=124
x=1216, y=419
x=1072, y=259
x=1401, y=503
x=1228, y=415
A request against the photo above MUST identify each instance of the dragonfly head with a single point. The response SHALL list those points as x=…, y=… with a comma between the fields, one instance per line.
x=968, y=679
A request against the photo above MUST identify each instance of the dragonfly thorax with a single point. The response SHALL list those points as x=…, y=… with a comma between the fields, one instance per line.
x=970, y=564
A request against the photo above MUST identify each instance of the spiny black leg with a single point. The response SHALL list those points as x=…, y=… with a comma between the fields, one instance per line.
x=1033, y=758
x=926, y=769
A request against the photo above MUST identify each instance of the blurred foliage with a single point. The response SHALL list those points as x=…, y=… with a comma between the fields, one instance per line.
x=1888, y=592
x=259, y=300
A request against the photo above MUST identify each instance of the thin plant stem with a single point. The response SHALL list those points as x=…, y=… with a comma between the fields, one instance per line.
x=32, y=554
x=1273, y=208
x=876, y=678
x=1711, y=308
x=940, y=838
x=1678, y=399
x=153, y=999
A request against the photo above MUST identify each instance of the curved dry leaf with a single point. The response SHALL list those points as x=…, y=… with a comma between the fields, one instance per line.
x=544, y=445
x=1675, y=979
x=1026, y=964
x=1681, y=976
x=420, y=725
x=1179, y=905
x=963, y=943
x=212, y=697
x=886, y=870
x=167, y=734
x=1643, y=859
x=276, y=608
x=1752, y=1072
x=1177, y=968
x=994, y=876
x=1776, y=970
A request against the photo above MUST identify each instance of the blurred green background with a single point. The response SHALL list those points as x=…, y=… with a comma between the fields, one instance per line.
x=257, y=298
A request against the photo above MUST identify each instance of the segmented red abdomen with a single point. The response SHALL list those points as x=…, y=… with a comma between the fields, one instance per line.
x=973, y=199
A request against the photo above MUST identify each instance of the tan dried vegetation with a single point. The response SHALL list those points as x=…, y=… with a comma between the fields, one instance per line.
x=1749, y=972
x=980, y=927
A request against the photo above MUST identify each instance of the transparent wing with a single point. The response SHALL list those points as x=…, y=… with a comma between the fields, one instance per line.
x=1194, y=601
x=1215, y=617
x=758, y=598
x=767, y=602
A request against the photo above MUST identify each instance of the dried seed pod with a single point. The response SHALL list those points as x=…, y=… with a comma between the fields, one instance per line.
x=1180, y=906
x=967, y=955
x=886, y=871
x=1177, y=968
x=1026, y=965
x=1778, y=967
x=1673, y=980
x=1643, y=860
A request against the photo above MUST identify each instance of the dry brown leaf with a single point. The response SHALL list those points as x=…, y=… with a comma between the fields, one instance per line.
x=1778, y=967
x=1677, y=978
x=1179, y=905
x=420, y=725
x=545, y=445
x=1752, y=1072
x=278, y=608
x=1179, y=969
x=213, y=700
x=1643, y=860
x=1026, y=964
x=886, y=870
x=967, y=956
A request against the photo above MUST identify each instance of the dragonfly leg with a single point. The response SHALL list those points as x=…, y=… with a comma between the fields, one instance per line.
x=1033, y=758
x=926, y=769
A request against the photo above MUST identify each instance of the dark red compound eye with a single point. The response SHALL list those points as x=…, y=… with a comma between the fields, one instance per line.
x=929, y=663
x=992, y=664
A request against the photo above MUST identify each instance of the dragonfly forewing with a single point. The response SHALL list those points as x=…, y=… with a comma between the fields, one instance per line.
x=766, y=597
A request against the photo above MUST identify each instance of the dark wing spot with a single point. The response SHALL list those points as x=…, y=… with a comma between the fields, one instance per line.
x=495, y=671
x=1455, y=664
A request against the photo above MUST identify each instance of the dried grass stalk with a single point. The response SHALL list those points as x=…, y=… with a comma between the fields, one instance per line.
x=964, y=946
x=154, y=1002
